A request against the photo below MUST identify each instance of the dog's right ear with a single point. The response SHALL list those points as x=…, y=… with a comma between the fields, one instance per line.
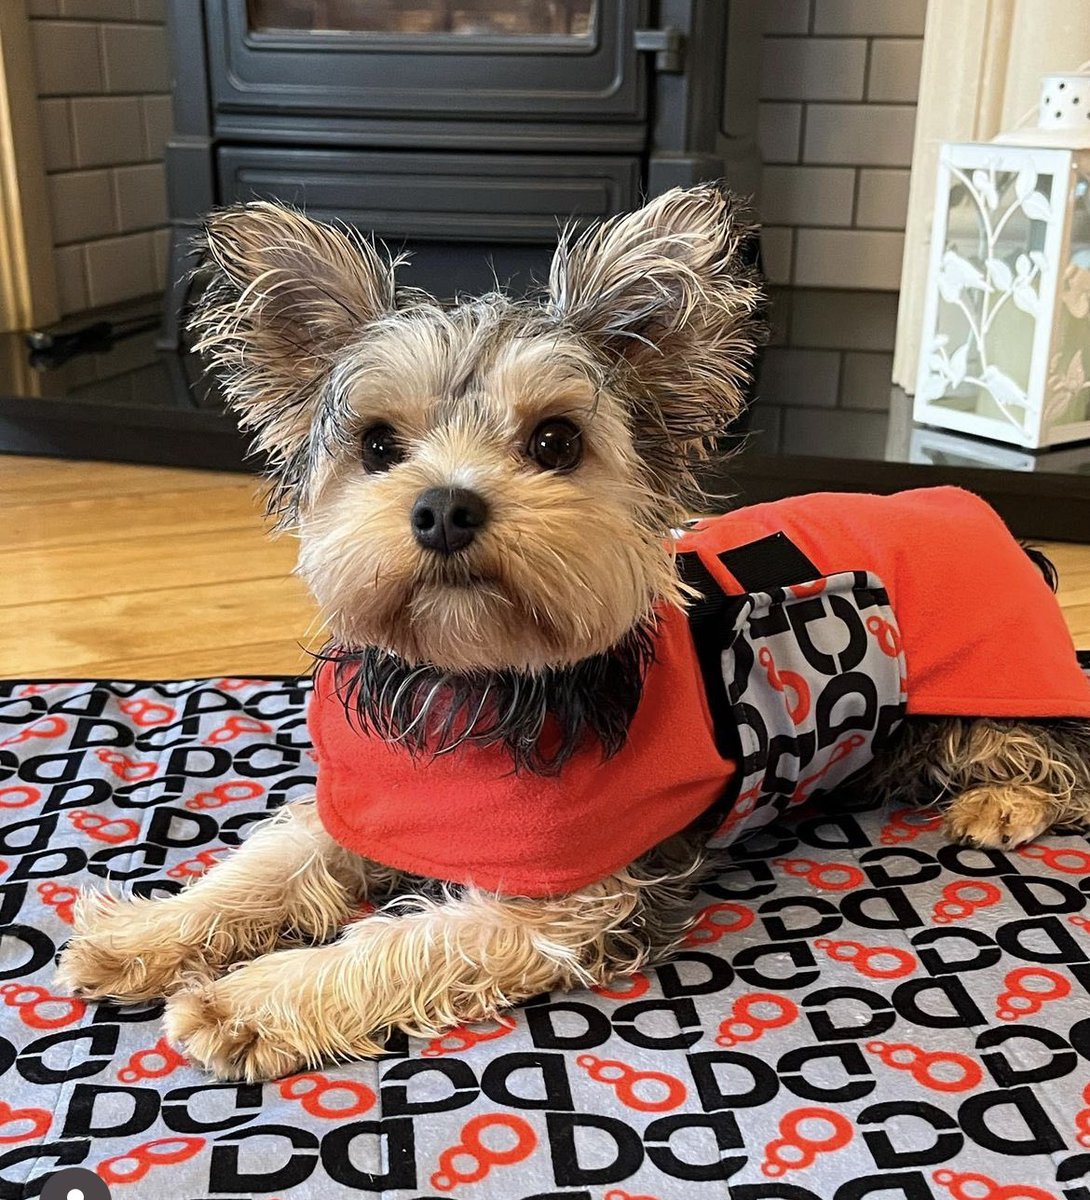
x=285, y=297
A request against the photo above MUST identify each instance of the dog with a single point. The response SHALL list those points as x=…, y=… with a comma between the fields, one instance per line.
x=489, y=499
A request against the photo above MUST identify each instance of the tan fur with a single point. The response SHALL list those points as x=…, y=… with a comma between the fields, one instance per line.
x=423, y=971
x=290, y=879
x=998, y=782
x=1007, y=784
x=1002, y=815
x=567, y=563
x=645, y=342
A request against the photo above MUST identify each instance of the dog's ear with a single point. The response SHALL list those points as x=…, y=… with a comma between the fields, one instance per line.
x=665, y=295
x=285, y=296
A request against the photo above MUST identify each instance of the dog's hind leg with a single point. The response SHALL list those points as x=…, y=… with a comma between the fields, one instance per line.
x=289, y=879
x=998, y=782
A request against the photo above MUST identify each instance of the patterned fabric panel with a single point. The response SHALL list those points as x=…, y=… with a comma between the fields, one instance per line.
x=815, y=680
x=861, y=1011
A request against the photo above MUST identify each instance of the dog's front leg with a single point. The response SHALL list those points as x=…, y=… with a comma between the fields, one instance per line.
x=289, y=878
x=432, y=967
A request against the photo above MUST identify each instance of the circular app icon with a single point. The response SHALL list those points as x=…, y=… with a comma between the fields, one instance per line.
x=75, y=1183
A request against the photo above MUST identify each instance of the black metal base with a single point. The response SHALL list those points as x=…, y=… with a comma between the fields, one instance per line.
x=134, y=403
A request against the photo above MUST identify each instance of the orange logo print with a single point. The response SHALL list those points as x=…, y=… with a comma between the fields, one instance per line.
x=331, y=1099
x=744, y=1024
x=464, y=1037
x=60, y=896
x=1021, y=1000
x=830, y=877
x=906, y=825
x=22, y=1124
x=50, y=727
x=124, y=767
x=147, y=712
x=225, y=793
x=628, y=987
x=971, y=1186
x=235, y=727
x=155, y=1062
x=1060, y=858
x=797, y=1148
x=959, y=1073
x=716, y=921
x=41, y=1009
x=19, y=796
x=483, y=1158
x=876, y=962
x=962, y=899
x=669, y=1092
x=164, y=1152
x=102, y=829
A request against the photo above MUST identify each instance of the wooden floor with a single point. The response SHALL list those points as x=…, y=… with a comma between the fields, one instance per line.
x=154, y=573
x=143, y=573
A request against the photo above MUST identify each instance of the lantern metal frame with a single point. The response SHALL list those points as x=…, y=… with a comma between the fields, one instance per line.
x=976, y=165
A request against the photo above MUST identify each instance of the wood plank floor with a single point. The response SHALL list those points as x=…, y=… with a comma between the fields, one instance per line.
x=155, y=573
x=143, y=573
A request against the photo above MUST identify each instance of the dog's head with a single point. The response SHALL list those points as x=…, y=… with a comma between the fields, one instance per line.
x=491, y=485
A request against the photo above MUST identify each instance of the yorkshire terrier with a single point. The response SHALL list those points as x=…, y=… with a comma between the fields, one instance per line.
x=532, y=716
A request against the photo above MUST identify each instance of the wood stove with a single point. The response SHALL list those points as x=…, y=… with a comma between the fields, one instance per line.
x=464, y=131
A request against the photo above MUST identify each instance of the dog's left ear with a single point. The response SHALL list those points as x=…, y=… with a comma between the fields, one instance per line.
x=284, y=298
x=666, y=297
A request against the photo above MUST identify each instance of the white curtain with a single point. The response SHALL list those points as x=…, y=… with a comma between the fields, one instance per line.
x=982, y=63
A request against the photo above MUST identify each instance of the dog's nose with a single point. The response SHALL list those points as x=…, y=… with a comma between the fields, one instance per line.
x=447, y=519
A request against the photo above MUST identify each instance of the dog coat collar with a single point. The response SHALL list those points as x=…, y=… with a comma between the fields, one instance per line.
x=822, y=620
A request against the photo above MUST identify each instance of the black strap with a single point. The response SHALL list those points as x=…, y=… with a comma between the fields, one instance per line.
x=770, y=562
x=773, y=561
x=710, y=618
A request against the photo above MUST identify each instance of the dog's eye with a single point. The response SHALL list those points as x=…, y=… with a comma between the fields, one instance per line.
x=556, y=445
x=380, y=449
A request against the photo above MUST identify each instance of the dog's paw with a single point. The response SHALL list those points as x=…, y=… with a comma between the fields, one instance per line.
x=221, y=1029
x=998, y=816
x=126, y=949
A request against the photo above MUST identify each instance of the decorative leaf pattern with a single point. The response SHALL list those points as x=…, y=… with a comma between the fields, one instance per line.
x=984, y=186
x=981, y=287
x=1066, y=387
x=956, y=275
x=1076, y=291
x=999, y=274
x=1037, y=207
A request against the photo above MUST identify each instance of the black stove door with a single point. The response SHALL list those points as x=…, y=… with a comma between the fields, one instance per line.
x=567, y=61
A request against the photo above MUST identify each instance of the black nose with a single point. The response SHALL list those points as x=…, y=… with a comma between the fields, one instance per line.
x=447, y=519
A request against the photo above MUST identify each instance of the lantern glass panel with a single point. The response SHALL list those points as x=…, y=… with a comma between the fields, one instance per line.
x=1068, y=390
x=989, y=280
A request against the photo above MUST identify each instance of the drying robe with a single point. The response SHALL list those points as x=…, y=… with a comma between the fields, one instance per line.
x=821, y=621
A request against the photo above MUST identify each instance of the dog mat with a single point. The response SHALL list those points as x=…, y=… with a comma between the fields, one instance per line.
x=861, y=1011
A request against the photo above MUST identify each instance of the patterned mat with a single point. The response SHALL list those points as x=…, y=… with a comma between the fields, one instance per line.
x=862, y=1011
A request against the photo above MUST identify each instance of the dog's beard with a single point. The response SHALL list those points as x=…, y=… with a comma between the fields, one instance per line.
x=541, y=718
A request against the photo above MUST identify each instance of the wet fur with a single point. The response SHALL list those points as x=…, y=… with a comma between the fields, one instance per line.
x=434, y=712
x=645, y=338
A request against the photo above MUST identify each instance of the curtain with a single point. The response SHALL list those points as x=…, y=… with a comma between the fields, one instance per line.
x=982, y=64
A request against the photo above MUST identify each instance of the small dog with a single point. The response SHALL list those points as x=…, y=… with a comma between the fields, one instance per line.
x=487, y=498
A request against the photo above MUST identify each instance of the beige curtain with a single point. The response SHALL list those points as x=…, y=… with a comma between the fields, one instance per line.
x=982, y=63
x=28, y=293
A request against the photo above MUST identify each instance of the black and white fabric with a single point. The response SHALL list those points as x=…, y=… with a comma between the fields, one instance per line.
x=862, y=1011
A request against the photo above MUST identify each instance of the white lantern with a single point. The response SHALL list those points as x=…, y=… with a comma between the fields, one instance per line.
x=1006, y=347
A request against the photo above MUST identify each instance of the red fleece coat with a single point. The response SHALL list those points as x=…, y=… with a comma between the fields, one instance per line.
x=970, y=629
